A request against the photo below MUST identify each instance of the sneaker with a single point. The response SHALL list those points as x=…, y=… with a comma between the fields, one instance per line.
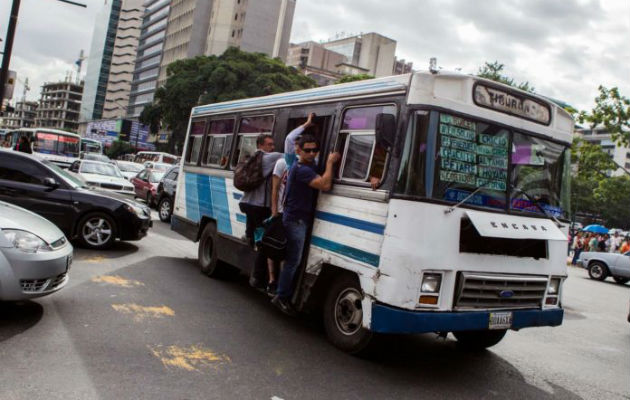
x=256, y=284
x=272, y=288
x=284, y=306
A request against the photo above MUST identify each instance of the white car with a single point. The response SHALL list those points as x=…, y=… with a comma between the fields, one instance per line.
x=34, y=255
x=129, y=169
x=103, y=176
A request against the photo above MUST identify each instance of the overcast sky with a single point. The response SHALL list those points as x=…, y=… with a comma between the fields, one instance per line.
x=564, y=48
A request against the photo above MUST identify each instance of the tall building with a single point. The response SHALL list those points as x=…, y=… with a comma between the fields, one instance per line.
x=316, y=61
x=205, y=27
x=149, y=55
x=123, y=59
x=600, y=136
x=99, y=60
x=59, y=106
x=370, y=51
x=22, y=117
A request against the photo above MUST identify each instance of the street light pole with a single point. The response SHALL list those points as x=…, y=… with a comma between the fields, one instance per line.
x=8, y=46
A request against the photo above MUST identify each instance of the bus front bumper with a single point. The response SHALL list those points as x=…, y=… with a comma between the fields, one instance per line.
x=387, y=319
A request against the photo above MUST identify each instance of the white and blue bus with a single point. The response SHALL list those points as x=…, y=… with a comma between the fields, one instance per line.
x=465, y=234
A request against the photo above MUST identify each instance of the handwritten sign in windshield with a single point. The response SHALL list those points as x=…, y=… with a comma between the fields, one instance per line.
x=472, y=158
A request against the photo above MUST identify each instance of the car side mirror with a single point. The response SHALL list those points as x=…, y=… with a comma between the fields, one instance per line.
x=51, y=183
x=385, y=130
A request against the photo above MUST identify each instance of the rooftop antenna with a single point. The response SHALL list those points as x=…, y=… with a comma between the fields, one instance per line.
x=433, y=65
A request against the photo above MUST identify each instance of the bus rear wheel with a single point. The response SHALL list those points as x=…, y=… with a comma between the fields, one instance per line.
x=479, y=340
x=343, y=316
x=207, y=252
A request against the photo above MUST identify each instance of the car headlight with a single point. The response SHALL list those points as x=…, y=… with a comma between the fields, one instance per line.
x=25, y=241
x=431, y=283
x=554, y=287
x=136, y=209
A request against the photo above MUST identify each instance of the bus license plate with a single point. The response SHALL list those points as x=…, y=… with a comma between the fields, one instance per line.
x=500, y=320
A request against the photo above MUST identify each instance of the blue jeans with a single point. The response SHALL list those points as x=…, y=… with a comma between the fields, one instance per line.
x=296, y=235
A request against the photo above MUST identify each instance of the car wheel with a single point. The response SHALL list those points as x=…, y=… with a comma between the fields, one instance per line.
x=343, y=316
x=479, y=340
x=597, y=271
x=621, y=280
x=149, y=200
x=97, y=231
x=165, y=209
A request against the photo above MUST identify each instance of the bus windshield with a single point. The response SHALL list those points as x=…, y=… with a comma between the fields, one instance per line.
x=504, y=168
x=53, y=143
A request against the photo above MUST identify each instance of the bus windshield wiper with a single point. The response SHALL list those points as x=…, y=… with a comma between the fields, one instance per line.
x=537, y=204
x=452, y=208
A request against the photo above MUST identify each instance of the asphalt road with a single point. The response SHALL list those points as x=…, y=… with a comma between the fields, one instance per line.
x=140, y=321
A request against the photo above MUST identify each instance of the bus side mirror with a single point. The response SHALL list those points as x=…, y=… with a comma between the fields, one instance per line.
x=385, y=130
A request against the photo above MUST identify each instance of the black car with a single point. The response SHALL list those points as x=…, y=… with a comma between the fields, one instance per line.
x=166, y=194
x=96, y=219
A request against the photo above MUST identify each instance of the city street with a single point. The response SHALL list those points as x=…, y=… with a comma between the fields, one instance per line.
x=140, y=321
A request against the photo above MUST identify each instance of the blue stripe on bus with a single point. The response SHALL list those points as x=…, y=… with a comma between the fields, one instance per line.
x=192, y=205
x=351, y=222
x=237, y=196
x=207, y=196
x=241, y=218
x=358, y=89
x=351, y=252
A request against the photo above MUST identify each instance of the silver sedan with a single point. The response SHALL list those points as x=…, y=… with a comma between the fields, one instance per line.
x=34, y=255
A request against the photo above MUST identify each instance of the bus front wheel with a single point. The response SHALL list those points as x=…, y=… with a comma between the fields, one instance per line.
x=343, y=315
x=478, y=340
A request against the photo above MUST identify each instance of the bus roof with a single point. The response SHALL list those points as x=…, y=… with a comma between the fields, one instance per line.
x=49, y=130
x=367, y=88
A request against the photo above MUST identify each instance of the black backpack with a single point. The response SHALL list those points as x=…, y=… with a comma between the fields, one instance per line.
x=249, y=173
x=274, y=241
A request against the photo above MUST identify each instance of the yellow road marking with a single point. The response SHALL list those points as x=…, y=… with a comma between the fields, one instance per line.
x=141, y=312
x=94, y=259
x=189, y=359
x=116, y=280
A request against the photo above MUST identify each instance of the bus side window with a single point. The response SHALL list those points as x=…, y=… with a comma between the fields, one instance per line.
x=197, y=129
x=249, y=128
x=362, y=158
x=219, y=143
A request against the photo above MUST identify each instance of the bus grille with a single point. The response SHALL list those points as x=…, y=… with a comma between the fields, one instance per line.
x=492, y=291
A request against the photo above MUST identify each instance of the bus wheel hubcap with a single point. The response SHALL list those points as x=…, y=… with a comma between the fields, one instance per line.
x=348, y=311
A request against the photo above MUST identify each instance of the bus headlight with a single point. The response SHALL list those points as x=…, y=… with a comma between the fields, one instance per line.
x=431, y=283
x=554, y=287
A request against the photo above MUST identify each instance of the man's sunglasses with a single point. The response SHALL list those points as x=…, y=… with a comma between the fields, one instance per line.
x=315, y=150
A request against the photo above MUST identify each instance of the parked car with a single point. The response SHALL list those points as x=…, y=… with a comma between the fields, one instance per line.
x=129, y=169
x=95, y=218
x=34, y=255
x=157, y=165
x=146, y=183
x=95, y=157
x=600, y=265
x=166, y=194
x=102, y=175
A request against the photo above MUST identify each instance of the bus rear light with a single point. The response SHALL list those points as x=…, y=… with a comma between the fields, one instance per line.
x=431, y=300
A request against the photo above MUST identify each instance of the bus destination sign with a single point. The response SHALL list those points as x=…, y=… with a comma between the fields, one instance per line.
x=512, y=103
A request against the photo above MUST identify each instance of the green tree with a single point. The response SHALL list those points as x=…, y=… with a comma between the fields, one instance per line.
x=612, y=110
x=151, y=115
x=613, y=195
x=354, y=78
x=233, y=75
x=119, y=148
x=493, y=71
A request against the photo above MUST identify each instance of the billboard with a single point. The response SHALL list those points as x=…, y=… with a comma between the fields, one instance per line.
x=109, y=130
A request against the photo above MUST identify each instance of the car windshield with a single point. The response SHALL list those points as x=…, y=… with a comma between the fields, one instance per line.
x=99, y=168
x=130, y=167
x=96, y=157
x=72, y=180
x=155, y=176
x=161, y=166
x=504, y=168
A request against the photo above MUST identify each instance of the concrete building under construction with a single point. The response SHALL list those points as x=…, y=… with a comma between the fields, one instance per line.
x=59, y=106
x=22, y=117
